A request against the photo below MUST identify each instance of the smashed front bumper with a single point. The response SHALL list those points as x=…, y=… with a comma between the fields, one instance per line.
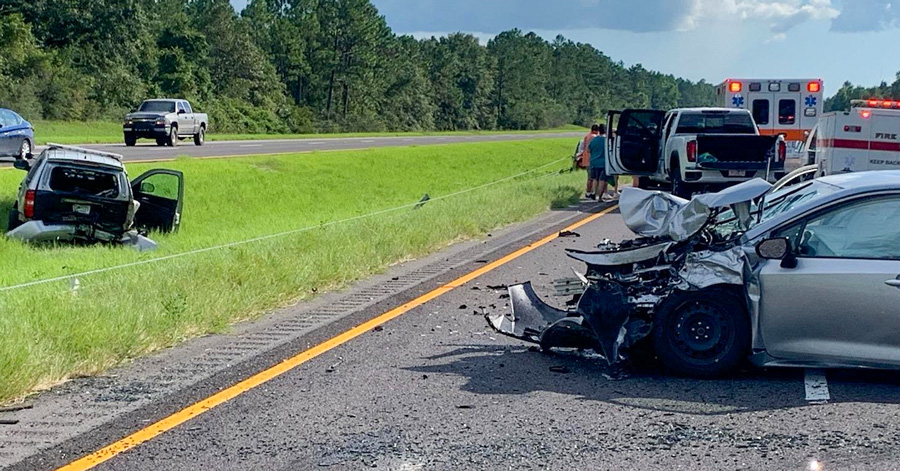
x=601, y=320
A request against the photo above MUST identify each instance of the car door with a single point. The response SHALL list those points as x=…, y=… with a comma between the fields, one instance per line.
x=160, y=193
x=635, y=150
x=7, y=134
x=842, y=300
x=189, y=116
x=184, y=122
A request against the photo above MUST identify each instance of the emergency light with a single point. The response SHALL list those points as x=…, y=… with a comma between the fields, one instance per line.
x=735, y=87
x=885, y=103
x=814, y=87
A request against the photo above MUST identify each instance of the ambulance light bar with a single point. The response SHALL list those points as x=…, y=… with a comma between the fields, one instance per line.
x=875, y=103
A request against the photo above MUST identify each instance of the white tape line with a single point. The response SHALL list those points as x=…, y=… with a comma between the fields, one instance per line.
x=816, y=386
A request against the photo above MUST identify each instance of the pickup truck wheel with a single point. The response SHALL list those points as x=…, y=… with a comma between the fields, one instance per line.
x=13, y=221
x=200, y=137
x=160, y=141
x=172, y=140
x=702, y=333
x=679, y=187
x=130, y=140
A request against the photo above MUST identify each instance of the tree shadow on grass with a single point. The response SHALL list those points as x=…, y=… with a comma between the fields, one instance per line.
x=498, y=370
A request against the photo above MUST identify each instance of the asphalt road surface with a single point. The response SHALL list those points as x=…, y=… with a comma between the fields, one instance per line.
x=147, y=150
x=437, y=389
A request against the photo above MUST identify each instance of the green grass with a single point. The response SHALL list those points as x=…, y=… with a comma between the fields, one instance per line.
x=103, y=132
x=50, y=333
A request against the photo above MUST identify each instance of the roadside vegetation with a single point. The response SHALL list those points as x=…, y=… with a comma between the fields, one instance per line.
x=52, y=332
x=105, y=132
x=307, y=66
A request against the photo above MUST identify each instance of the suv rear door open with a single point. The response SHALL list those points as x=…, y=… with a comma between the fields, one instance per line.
x=635, y=148
x=160, y=193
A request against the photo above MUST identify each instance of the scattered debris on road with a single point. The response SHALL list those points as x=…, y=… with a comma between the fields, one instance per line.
x=559, y=369
x=569, y=234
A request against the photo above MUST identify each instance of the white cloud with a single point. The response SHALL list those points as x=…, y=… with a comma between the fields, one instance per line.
x=780, y=15
x=867, y=15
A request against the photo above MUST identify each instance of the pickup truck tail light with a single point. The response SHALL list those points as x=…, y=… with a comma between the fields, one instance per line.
x=692, y=151
x=29, y=204
x=782, y=151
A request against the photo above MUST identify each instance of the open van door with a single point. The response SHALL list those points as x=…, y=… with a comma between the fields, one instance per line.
x=160, y=193
x=635, y=147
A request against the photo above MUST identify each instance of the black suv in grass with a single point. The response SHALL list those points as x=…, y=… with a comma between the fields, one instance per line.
x=70, y=193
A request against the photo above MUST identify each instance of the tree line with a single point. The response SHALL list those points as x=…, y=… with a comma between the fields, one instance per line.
x=848, y=92
x=306, y=66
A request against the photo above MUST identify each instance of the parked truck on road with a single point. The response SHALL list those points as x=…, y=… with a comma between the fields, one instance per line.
x=692, y=149
x=165, y=120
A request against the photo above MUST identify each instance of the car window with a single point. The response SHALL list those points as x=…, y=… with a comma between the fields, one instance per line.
x=787, y=111
x=83, y=181
x=7, y=118
x=862, y=230
x=187, y=107
x=715, y=123
x=161, y=185
x=158, y=106
x=761, y=111
x=669, y=125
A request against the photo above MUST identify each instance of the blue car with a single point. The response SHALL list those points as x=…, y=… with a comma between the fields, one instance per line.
x=16, y=135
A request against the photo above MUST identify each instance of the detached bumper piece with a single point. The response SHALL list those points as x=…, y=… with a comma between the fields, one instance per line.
x=600, y=321
x=38, y=232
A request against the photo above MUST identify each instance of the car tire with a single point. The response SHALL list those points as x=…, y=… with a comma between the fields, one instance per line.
x=172, y=140
x=130, y=140
x=703, y=333
x=679, y=187
x=200, y=137
x=13, y=220
x=161, y=141
x=25, y=149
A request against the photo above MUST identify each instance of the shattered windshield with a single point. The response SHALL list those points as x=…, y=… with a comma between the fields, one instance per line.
x=776, y=203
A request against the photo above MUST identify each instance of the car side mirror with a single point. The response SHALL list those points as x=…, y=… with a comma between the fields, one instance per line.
x=22, y=164
x=147, y=187
x=778, y=248
x=181, y=112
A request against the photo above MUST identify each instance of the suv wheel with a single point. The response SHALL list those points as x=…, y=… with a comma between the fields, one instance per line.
x=13, y=221
x=130, y=140
x=25, y=149
x=172, y=140
x=702, y=333
x=200, y=137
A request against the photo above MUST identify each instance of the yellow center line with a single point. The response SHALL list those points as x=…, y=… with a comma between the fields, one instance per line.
x=168, y=423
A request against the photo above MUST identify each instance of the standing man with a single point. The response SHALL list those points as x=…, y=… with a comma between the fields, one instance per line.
x=585, y=157
x=597, y=171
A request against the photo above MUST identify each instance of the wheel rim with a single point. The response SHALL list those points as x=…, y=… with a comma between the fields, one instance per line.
x=702, y=333
x=202, y=135
x=26, y=148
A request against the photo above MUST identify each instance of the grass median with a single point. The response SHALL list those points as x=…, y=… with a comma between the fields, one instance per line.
x=51, y=332
x=107, y=132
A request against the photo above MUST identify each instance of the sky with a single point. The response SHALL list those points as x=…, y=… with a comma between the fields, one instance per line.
x=836, y=40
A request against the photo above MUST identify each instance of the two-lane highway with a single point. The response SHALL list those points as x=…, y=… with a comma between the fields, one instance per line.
x=147, y=150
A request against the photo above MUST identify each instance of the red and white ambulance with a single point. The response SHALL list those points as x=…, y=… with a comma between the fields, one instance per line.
x=780, y=106
x=866, y=137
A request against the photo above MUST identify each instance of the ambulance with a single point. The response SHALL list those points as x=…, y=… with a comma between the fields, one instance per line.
x=787, y=107
x=867, y=137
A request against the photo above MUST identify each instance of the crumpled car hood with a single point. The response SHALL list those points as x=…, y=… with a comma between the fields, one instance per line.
x=658, y=214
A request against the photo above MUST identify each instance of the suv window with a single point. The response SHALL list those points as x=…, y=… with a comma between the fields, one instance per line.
x=715, y=123
x=83, y=181
x=862, y=230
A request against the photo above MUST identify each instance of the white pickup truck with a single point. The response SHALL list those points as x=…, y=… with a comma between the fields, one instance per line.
x=692, y=149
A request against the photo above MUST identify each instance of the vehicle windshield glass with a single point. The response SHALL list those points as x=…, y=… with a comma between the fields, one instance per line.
x=776, y=203
x=158, y=106
x=83, y=181
x=715, y=123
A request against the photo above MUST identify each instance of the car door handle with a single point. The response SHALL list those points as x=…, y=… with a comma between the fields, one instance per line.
x=895, y=283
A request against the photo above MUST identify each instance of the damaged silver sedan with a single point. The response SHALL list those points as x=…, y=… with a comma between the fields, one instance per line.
x=808, y=275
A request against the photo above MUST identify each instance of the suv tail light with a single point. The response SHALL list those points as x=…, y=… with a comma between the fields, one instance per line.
x=692, y=151
x=782, y=151
x=29, y=204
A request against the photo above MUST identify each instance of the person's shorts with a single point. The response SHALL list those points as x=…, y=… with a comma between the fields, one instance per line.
x=598, y=173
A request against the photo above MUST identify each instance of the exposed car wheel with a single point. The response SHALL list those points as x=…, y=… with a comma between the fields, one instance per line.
x=13, y=221
x=702, y=333
x=200, y=137
x=25, y=149
x=172, y=140
x=130, y=140
x=161, y=141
